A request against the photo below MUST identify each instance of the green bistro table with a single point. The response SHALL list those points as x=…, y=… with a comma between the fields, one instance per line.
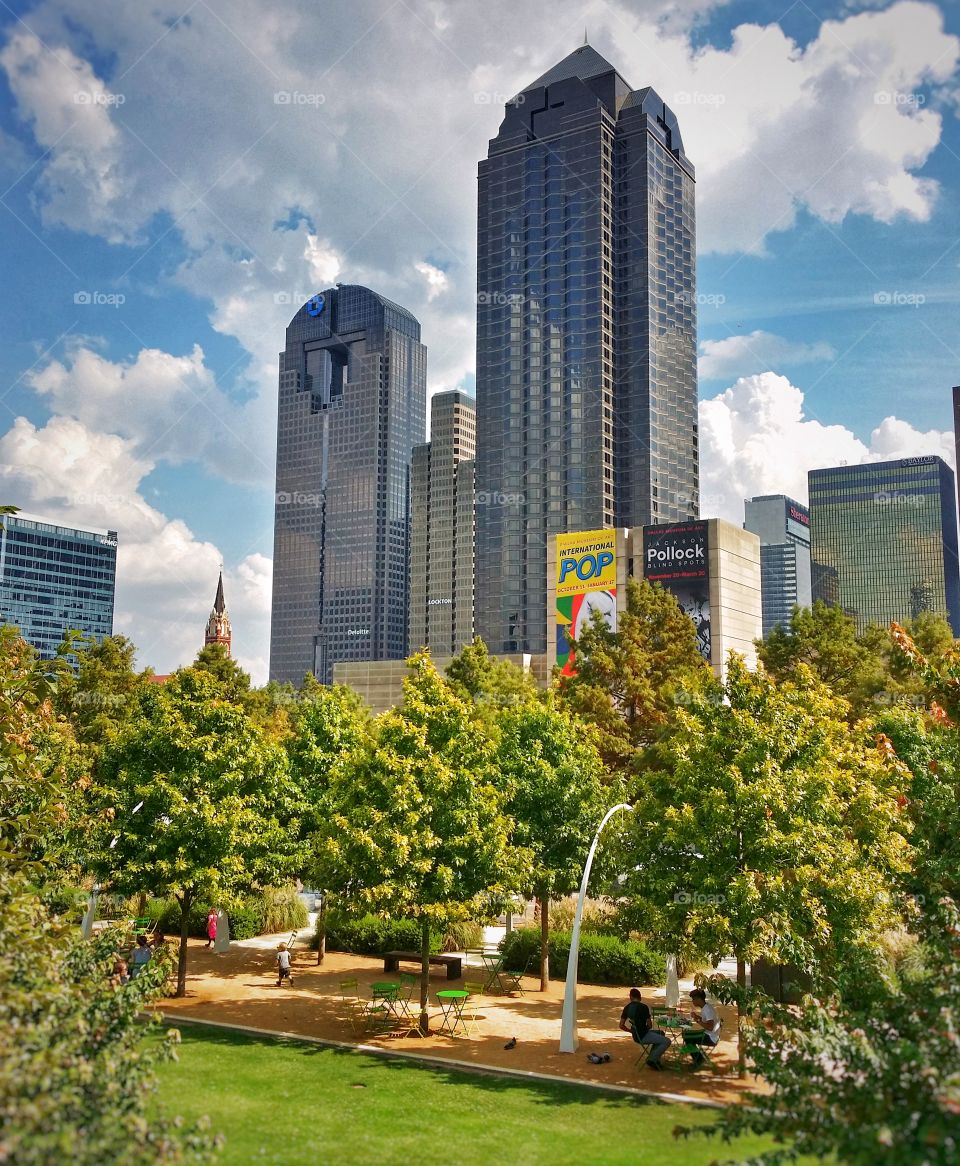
x=676, y=1029
x=451, y=1005
x=493, y=966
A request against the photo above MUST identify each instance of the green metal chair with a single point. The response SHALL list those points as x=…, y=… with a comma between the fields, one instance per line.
x=469, y=1014
x=362, y=1014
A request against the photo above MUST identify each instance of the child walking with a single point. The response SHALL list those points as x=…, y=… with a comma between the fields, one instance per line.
x=283, y=965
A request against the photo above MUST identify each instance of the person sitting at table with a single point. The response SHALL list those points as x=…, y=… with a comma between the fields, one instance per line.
x=636, y=1019
x=706, y=1016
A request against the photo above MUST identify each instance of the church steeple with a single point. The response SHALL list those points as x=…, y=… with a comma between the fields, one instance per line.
x=218, y=625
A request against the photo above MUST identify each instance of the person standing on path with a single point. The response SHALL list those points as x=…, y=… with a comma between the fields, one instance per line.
x=211, y=926
x=283, y=965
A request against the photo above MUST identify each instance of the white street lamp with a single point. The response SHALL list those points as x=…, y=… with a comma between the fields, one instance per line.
x=568, y=1026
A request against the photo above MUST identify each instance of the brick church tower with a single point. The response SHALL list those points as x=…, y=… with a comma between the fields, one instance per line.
x=218, y=625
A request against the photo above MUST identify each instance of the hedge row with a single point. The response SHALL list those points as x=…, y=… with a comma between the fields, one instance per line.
x=274, y=910
x=604, y=959
x=373, y=935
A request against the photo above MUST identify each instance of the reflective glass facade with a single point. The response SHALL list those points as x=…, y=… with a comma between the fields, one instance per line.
x=783, y=526
x=54, y=579
x=352, y=407
x=889, y=532
x=586, y=332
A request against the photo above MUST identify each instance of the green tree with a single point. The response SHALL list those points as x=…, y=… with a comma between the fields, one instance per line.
x=233, y=681
x=769, y=831
x=866, y=668
x=329, y=725
x=99, y=692
x=626, y=680
x=197, y=800
x=416, y=818
x=553, y=778
x=480, y=677
x=75, y=1071
x=863, y=1078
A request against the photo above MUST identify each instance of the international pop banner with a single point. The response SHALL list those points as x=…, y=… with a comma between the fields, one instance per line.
x=586, y=583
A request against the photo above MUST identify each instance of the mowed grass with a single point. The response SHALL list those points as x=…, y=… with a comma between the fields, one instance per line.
x=289, y=1102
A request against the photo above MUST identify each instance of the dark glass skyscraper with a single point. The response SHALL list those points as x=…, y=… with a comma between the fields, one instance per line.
x=352, y=407
x=55, y=579
x=586, y=331
x=783, y=526
x=884, y=534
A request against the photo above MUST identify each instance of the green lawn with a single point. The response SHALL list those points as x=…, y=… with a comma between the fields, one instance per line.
x=289, y=1103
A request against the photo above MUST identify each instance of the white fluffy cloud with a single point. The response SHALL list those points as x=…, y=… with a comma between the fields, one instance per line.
x=755, y=438
x=170, y=408
x=286, y=152
x=737, y=356
x=166, y=577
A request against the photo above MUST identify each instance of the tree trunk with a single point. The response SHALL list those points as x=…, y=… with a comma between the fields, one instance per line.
x=741, y=984
x=185, y=902
x=142, y=905
x=544, y=898
x=322, y=930
x=425, y=978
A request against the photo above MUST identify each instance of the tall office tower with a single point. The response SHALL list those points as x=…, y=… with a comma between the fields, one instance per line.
x=586, y=331
x=442, y=528
x=889, y=531
x=956, y=421
x=55, y=579
x=352, y=407
x=783, y=527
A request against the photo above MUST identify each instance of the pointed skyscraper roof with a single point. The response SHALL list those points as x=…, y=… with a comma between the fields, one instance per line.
x=583, y=63
x=219, y=604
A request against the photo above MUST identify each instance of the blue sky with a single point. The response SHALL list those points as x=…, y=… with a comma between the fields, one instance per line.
x=177, y=176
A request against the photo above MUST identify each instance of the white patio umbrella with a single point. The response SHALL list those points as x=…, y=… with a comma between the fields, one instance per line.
x=672, y=990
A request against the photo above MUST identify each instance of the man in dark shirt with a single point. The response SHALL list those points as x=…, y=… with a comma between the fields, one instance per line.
x=635, y=1019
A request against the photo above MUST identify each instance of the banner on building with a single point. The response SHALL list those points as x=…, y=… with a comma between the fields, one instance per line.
x=586, y=582
x=677, y=556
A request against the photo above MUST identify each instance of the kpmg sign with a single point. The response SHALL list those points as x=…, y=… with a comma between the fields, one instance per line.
x=677, y=557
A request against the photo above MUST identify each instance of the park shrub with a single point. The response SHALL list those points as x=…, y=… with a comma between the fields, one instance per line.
x=283, y=910
x=604, y=959
x=374, y=935
x=461, y=935
x=273, y=910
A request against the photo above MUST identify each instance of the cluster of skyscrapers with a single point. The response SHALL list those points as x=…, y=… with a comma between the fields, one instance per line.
x=585, y=420
x=577, y=464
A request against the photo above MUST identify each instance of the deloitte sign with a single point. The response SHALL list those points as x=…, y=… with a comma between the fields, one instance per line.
x=676, y=556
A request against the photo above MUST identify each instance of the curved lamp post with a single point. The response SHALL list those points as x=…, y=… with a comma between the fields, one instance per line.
x=568, y=1026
